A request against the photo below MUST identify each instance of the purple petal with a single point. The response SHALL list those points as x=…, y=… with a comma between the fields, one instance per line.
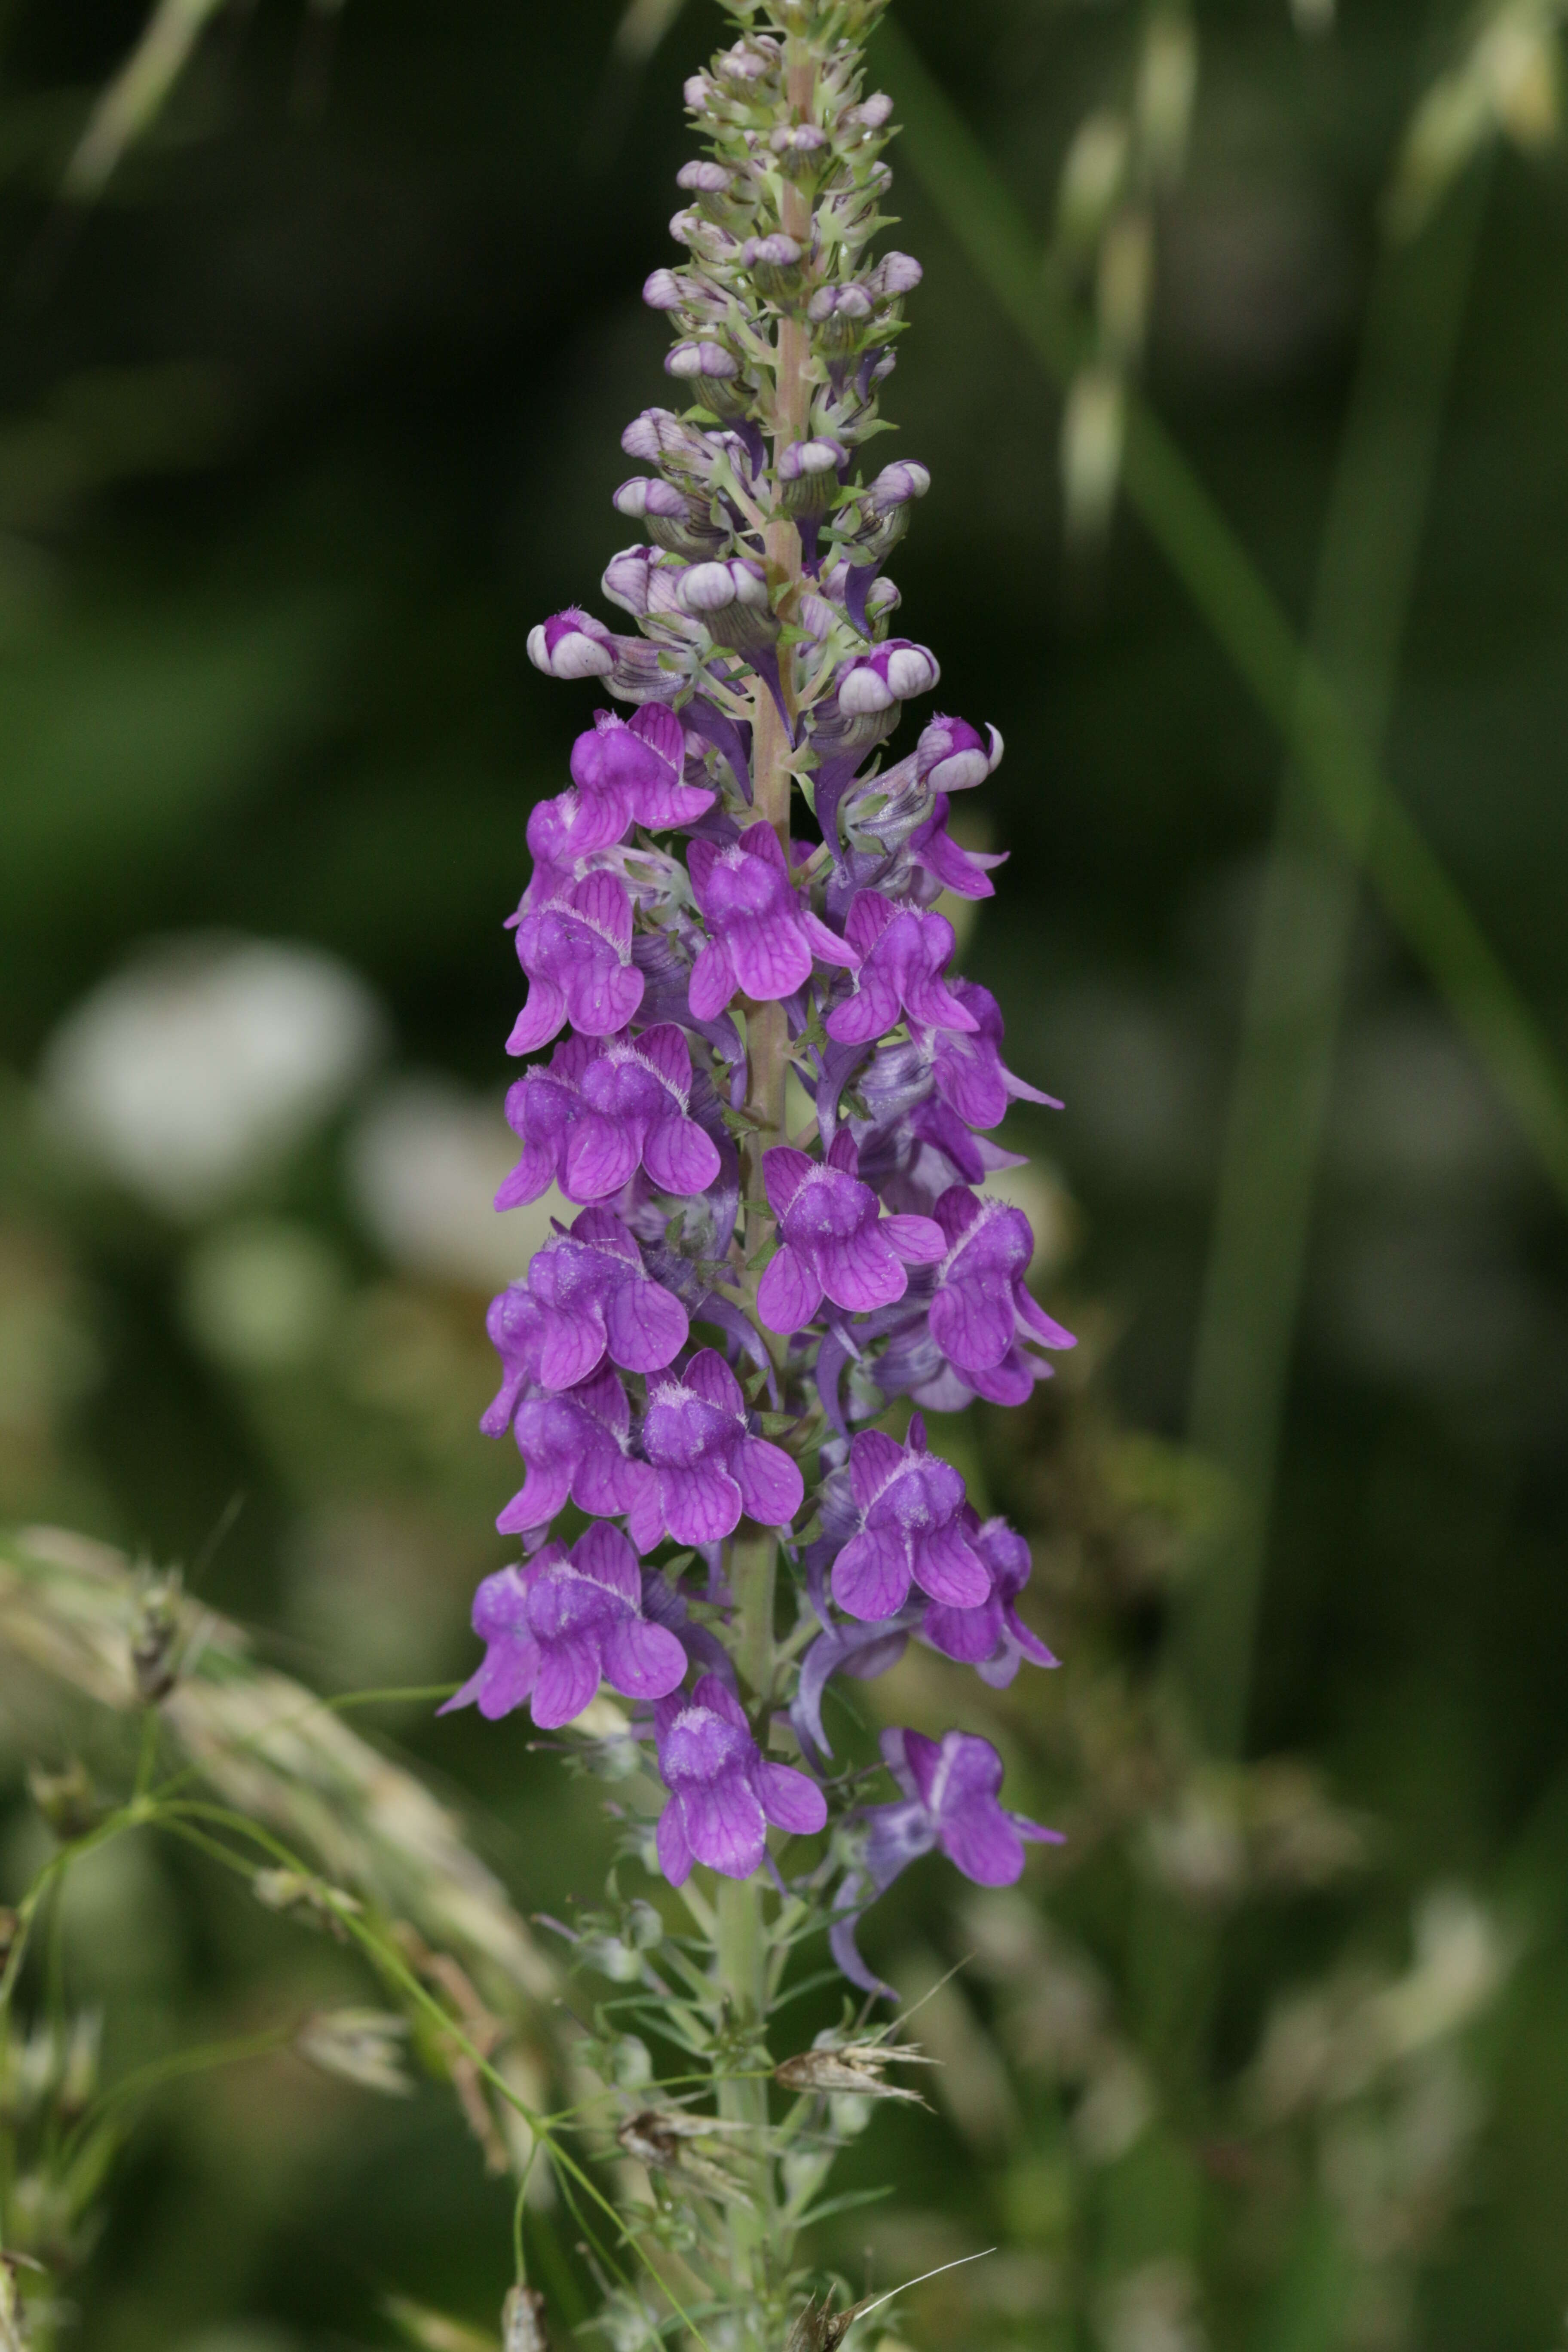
x=529, y=1179
x=710, y=1377
x=945, y=1567
x=542, y=1016
x=981, y=1840
x=791, y=1800
x=973, y=1323
x=772, y=1487
x=770, y=956
x=919, y=1240
x=679, y=1157
x=568, y=1678
x=701, y=1504
x=789, y=1294
x=602, y=1553
x=725, y=1826
x=647, y=1326
x=713, y=981
x=600, y=1157
x=643, y=1661
x=859, y=1271
x=675, y=1855
x=872, y=1574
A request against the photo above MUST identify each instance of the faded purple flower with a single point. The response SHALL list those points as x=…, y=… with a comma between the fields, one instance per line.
x=560, y=1625
x=707, y=1467
x=980, y=1306
x=602, y=1110
x=968, y=1069
x=576, y=1448
x=722, y=1791
x=586, y=1293
x=951, y=1789
x=763, y=935
x=991, y=1637
x=576, y=949
x=903, y=952
x=907, y=1514
x=833, y=1243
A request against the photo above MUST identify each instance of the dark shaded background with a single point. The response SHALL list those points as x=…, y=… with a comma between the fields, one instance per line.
x=303, y=427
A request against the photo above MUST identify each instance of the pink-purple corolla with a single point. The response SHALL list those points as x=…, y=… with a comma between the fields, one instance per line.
x=762, y=934
x=604, y=1108
x=706, y=1468
x=723, y=1794
x=561, y=1623
x=833, y=1242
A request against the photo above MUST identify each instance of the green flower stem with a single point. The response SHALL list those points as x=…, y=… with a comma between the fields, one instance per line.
x=1291, y=686
x=1301, y=948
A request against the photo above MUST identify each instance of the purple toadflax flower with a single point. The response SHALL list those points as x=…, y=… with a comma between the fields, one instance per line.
x=906, y=1507
x=576, y=949
x=563, y=1622
x=981, y=1306
x=967, y=1068
x=763, y=933
x=832, y=1243
x=586, y=1295
x=707, y=1467
x=991, y=1637
x=604, y=1108
x=576, y=1448
x=722, y=1791
x=903, y=952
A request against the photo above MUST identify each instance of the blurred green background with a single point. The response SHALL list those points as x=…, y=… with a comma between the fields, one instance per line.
x=305, y=421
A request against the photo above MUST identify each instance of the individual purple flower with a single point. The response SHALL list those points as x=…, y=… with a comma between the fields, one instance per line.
x=833, y=1241
x=952, y=1799
x=604, y=1108
x=572, y=645
x=707, y=1467
x=563, y=1622
x=587, y=1294
x=991, y=1637
x=968, y=1066
x=951, y=756
x=722, y=1791
x=624, y=773
x=908, y=1513
x=576, y=1448
x=895, y=671
x=903, y=952
x=981, y=1306
x=576, y=949
x=763, y=934
x=943, y=866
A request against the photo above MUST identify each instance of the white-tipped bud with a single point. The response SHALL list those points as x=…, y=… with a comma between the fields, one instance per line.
x=862, y=692
x=900, y=483
x=881, y=598
x=571, y=645
x=626, y=579
x=661, y=291
x=692, y=361
x=872, y=112
x=816, y=456
x=895, y=274
x=639, y=497
x=912, y=671
x=703, y=178
x=713, y=587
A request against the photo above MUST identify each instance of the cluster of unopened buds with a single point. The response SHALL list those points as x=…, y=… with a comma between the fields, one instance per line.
x=768, y=1099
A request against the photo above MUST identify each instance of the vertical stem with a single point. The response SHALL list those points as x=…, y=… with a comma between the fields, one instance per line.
x=753, y=1552
x=1296, y=987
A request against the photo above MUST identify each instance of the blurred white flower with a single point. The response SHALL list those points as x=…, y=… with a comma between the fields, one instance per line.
x=205, y=1061
x=423, y=1167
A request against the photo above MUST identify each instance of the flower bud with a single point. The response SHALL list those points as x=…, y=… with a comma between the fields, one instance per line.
x=571, y=645
x=694, y=360
x=951, y=756
x=808, y=474
x=897, y=483
x=639, y=497
x=881, y=598
x=626, y=580
x=713, y=587
x=896, y=274
x=703, y=178
x=798, y=147
x=874, y=681
x=782, y=251
x=872, y=113
x=662, y=291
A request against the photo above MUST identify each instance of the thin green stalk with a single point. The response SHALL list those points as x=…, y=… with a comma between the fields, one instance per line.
x=1292, y=686
x=1301, y=948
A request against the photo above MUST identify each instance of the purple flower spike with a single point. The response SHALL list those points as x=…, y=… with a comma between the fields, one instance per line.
x=992, y=1638
x=722, y=1793
x=572, y=645
x=765, y=935
x=951, y=1789
x=874, y=681
x=707, y=1467
x=981, y=1305
x=560, y=1624
x=602, y=1111
x=903, y=952
x=576, y=1448
x=951, y=756
x=832, y=1243
x=968, y=1068
x=909, y=1509
x=578, y=953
